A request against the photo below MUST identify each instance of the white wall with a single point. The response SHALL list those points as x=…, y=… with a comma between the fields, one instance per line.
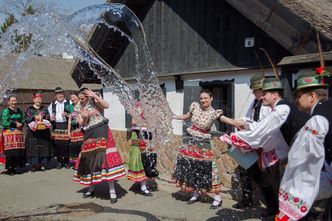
x=175, y=102
x=116, y=112
x=242, y=96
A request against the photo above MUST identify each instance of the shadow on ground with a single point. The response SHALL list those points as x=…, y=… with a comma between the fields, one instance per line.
x=80, y=210
x=102, y=191
x=226, y=214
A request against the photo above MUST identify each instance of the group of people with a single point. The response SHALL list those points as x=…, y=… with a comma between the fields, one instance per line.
x=44, y=139
x=293, y=146
x=76, y=130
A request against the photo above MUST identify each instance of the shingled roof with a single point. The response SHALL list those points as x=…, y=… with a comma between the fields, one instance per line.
x=42, y=73
x=292, y=23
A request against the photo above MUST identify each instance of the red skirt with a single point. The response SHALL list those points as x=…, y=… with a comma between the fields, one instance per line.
x=99, y=159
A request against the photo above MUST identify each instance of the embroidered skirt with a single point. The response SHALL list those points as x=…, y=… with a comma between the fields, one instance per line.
x=60, y=139
x=75, y=144
x=99, y=159
x=142, y=163
x=195, y=167
x=14, y=148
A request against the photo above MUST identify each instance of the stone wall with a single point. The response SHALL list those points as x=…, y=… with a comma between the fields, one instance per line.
x=166, y=155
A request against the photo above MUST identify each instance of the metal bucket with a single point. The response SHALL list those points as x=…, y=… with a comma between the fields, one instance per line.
x=246, y=160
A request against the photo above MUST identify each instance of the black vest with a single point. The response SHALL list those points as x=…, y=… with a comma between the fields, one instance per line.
x=256, y=109
x=294, y=122
x=325, y=109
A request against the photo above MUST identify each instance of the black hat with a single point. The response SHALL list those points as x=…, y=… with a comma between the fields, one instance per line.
x=58, y=90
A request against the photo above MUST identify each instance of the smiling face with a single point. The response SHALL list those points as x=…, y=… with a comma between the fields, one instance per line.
x=74, y=99
x=270, y=98
x=12, y=102
x=37, y=101
x=205, y=100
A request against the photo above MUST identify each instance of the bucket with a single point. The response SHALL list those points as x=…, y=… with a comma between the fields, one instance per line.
x=246, y=160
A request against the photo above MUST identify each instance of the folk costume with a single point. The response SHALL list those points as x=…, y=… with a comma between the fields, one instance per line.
x=99, y=159
x=13, y=138
x=38, y=138
x=308, y=176
x=76, y=134
x=196, y=169
x=59, y=134
x=271, y=138
x=256, y=112
x=142, y=160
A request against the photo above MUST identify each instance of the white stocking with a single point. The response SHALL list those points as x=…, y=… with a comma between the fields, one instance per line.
x=112, y=189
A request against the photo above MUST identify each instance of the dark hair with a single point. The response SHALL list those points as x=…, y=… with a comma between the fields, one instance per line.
x=279, y=92
x=10, y=96
x=206, y=91
x=83, y=89
x=321, y=92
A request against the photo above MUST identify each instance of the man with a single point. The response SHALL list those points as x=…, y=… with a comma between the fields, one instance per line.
x=58, y=117
x=256, y=112
x=308, y=175
x=270, y=137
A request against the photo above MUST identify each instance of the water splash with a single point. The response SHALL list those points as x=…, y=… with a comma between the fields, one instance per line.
x=53, y=35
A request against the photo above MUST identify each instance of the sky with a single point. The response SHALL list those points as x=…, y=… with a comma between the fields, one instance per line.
x=69, y=6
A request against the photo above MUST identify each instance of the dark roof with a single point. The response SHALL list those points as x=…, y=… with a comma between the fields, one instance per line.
x=42, y=73
x=292, y=23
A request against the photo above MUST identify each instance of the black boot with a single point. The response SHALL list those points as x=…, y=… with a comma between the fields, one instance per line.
x=272, y=202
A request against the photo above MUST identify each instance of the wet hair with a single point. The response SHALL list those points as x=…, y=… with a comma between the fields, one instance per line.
x=82, y=90
x=206, y=91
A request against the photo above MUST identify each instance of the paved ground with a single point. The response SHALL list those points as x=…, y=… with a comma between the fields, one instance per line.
x=52, y=195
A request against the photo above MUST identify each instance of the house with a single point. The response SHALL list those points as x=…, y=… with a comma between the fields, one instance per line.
x=40, y=73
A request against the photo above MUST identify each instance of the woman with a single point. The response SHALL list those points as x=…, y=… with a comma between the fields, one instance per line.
x=75, y=133
x=13, y=139
x=38, y=138
x=142, y=161
x=99, y=159
x=195, y=169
